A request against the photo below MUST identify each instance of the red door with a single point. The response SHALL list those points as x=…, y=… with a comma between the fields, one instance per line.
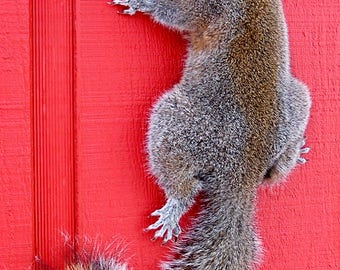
x=77, y=82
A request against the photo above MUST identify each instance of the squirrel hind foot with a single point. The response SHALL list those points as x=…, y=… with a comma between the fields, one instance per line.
x=287, y=161
x=169, y=216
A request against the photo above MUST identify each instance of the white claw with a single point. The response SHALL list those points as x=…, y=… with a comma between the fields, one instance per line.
x=159, y=233
x=305, y=150
x=154, y=226
x=167, y=237
x=301, y=160
x=156, y=213
x=121, y=2
x=129, y=11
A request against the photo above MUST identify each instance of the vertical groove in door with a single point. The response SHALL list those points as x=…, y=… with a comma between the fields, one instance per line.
x=53, y=129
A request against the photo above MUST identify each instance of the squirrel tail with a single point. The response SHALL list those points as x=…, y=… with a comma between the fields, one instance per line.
x=223, y=235
x=102, y=264
x=94, y=254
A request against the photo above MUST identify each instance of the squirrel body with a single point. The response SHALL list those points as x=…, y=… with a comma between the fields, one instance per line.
x=234, y=121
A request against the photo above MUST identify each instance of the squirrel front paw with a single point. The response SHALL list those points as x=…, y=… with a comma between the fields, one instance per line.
x=133, y=5
x=169, y=216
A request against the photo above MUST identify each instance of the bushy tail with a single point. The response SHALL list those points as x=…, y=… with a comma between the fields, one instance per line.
x=101, y=264
x=95, y=255
x=222, y=236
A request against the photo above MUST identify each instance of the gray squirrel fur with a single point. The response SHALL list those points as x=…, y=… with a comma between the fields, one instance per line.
x=235, y=120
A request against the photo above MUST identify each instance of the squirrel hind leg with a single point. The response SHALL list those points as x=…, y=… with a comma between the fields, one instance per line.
x=180, y=192
x=286, y=162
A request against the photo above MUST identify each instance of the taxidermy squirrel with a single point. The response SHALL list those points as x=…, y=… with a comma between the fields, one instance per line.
x=234, y=121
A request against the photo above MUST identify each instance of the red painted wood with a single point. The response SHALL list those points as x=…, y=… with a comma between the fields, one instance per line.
x=53, y=140
x=124, y=63
x=103, y=191
x=15, y=152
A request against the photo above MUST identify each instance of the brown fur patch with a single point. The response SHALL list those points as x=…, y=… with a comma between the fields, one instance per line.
x=256, y=51
x=204, y=38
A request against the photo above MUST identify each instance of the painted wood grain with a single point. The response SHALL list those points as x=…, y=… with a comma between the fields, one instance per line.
x=15, y=144
x=53, y=129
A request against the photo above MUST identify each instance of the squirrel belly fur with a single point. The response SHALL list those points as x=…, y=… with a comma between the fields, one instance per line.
x=235, y=120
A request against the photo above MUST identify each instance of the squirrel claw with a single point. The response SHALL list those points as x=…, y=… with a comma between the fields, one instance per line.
x=129, y=11
x=301, y=160
x=304, y=150
x=155, y=214
x=153, y=226
x=126, y=3
x=120, y=2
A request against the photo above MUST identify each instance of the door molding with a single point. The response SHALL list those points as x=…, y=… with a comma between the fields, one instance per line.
x=53, y=126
